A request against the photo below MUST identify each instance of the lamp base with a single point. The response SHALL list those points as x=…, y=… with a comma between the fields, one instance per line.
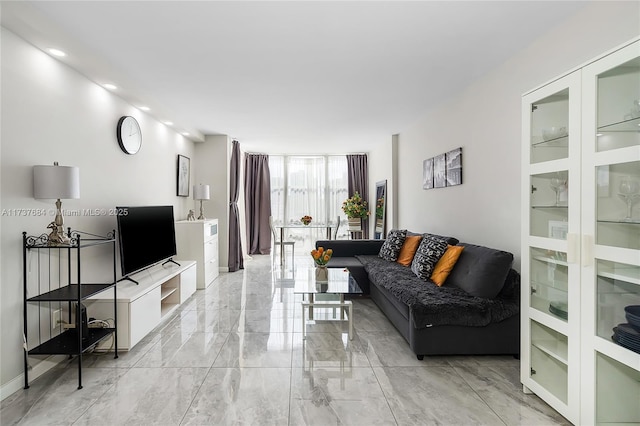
x=57, y=236
x=201, y=217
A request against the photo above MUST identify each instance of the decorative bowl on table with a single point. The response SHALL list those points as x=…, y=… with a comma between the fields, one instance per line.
x=306, y=219
x=553, y=133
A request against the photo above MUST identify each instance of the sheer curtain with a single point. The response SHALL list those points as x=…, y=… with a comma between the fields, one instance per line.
x=313, y=185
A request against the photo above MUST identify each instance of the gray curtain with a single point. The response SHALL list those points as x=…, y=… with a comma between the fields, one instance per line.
x=358, y=172
x=235, y=244
x=257, y=195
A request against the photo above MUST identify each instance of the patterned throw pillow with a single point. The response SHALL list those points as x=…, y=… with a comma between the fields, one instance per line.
x=391, y=247
x=429, y=252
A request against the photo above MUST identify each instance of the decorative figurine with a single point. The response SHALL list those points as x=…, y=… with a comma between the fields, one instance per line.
x=56, y=237
x=191, y=216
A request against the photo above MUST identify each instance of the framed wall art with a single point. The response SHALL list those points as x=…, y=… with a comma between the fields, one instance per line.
x=454, y=167
x=184, y=172
x=439, y=171
x=427, y=174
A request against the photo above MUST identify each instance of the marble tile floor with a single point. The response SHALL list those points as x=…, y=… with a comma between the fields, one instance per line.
x=234, y=354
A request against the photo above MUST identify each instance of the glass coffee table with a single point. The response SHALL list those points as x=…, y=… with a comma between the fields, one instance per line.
x=328, y=294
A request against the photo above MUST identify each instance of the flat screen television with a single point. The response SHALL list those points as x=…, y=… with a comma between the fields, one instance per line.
x=146, y=235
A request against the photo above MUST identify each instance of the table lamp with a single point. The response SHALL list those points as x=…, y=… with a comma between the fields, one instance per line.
x=56, y=183
x=201, y=192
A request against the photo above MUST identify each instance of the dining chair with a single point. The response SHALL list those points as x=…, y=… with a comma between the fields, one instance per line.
x=278, y=243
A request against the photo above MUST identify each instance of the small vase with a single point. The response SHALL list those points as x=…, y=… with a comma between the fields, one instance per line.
x=355, y=224
x=322, y=275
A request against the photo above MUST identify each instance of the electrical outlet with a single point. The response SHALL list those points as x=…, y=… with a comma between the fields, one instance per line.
x=56, y=318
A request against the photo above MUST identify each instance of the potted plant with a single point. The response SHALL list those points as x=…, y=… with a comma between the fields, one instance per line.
x=356, y=209
x=320, y=258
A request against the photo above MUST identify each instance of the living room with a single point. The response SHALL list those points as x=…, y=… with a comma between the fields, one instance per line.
x=50, y=112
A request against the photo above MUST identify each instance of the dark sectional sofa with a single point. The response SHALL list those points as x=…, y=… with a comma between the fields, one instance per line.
x=476, y=311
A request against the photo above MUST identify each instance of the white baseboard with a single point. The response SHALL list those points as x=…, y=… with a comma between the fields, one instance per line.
x=223, y=269
x=38, y=370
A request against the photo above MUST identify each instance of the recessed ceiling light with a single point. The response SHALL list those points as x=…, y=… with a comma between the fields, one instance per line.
x=144, y=108
x=186, y=134
x=57, y=52
x=110, y=86
x=169, y=123
x=598, y=134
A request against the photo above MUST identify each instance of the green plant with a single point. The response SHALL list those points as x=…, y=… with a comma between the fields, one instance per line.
x=355, y=207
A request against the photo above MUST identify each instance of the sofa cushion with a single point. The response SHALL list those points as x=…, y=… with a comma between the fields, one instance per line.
x=481, y=271
x=393, y=244
x=408, y=249
x=429, y=251
x=445, y=264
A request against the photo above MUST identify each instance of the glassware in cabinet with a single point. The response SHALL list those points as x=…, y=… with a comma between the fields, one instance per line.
x=549, y=213
x=618, y=205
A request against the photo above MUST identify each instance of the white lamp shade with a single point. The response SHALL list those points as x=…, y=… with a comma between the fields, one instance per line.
x=200, y=192
x=53, y=182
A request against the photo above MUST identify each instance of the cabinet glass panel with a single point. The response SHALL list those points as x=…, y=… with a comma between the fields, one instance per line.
x=549, y=120
x=619, y=107
x=618, y=286
x=549, y=360
x=617, y=392
x=549, y=283
x=618, y=205
x=549, y=209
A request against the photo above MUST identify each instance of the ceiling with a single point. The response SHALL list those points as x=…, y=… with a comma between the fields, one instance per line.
x=297, y=77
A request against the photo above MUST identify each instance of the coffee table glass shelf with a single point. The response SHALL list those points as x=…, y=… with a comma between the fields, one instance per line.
x=328, y=294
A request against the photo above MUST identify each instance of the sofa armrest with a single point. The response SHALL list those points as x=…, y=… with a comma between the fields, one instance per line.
x=347, y=248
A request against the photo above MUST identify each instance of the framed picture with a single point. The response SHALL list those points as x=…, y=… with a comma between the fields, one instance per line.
x=439, y=171
x=454, y=167
x=427, y=174
x=184, y=172
x=558, y=229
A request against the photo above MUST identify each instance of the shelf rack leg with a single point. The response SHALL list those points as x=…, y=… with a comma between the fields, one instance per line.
x=24, y=310
x=115, y=299
x=78, y=311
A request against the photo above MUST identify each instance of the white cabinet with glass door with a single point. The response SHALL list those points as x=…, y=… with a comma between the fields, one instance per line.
x=550, y=306
x=611, y=238
x=581, y=241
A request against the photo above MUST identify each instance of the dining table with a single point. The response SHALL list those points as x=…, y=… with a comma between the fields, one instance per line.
x=329, y=227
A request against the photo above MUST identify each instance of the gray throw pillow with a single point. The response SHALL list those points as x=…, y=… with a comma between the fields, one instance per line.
x=481, y=271
x=391, y=247
x=429, y=251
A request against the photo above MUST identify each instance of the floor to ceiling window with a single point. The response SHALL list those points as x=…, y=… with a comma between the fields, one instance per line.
x=314, y=185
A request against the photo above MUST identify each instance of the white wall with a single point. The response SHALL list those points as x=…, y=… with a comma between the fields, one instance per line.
x=485, y=121
x=381, y=167
x=212, y=165
x=51, y=113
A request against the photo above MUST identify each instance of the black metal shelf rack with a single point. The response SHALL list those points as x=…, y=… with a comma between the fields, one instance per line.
x=59, y=287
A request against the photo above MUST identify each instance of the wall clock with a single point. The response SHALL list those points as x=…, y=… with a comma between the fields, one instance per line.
x=129, y=135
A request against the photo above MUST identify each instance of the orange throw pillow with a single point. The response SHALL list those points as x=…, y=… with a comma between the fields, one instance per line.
x=445, y=264
x=408, y=249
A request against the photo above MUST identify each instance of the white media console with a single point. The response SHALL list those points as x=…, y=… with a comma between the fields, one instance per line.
x=141, y=307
